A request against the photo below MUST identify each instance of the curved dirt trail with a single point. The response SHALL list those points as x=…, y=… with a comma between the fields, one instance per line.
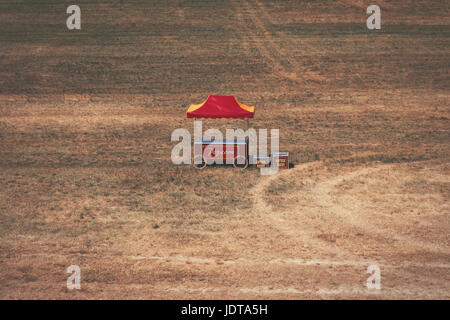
x=350, y=213
x=293, y=221
x=275, y=218
x=287, y=259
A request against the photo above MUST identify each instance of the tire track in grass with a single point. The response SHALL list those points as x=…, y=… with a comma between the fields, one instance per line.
x=297, y=67
x=260, y=39
x=264, y=42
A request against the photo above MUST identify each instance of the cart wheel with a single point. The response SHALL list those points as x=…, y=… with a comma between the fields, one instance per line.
x=199, y=166
x=240, y=166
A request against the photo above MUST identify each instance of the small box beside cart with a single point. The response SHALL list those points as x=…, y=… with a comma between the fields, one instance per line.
x=281, y=160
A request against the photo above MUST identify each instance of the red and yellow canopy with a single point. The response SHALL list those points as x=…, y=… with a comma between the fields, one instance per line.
x=220, y=107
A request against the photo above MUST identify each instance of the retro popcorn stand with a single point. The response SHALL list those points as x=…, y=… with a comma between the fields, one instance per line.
x=228, y=151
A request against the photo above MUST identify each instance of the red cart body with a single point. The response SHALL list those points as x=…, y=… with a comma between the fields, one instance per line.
x=221, y=151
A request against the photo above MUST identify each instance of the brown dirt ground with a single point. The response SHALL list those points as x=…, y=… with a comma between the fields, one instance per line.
x=86, y=176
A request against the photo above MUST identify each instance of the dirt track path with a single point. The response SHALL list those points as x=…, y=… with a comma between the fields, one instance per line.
x=274, y=218
x=349, y=213
x=293, y=223
x=302, y=265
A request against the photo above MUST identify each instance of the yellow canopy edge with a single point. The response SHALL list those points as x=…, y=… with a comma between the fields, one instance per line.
x=248, y=108
x=194, y=107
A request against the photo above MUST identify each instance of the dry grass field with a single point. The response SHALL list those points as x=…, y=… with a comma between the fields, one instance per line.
x=86, y=176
